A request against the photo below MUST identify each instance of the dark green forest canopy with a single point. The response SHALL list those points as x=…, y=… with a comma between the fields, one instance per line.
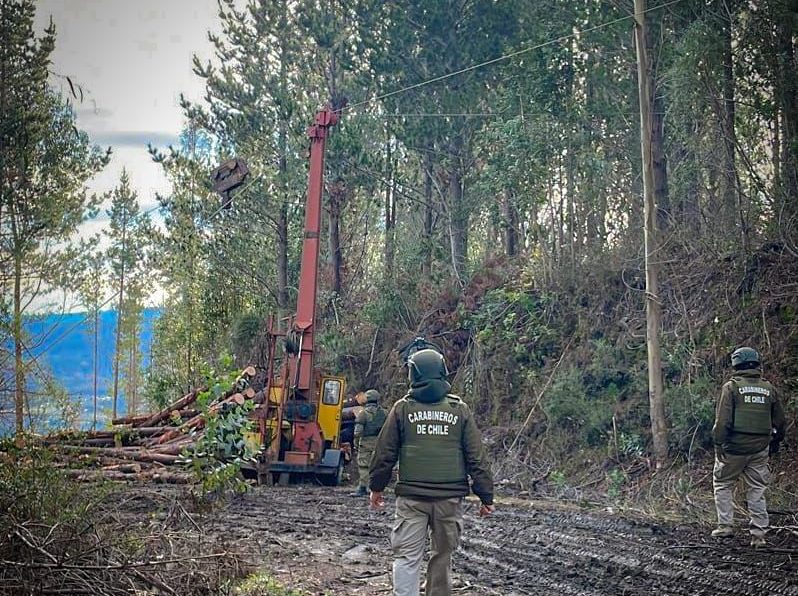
x=483, y=188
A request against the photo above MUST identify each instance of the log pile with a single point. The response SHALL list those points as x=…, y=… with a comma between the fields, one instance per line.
x=148, y=446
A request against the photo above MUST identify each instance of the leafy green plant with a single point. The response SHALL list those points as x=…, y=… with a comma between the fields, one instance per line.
x=631, y=445
x=220, y=449
x=616, y=478
x=513, y=320
x=263, y=584
x=559, y=482
x=691, y=413
x=569, y=407
x=31, y=487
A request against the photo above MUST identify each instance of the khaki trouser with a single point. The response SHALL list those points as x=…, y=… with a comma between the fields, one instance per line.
x=755, y=470
x=442, y=520
x=365, y=450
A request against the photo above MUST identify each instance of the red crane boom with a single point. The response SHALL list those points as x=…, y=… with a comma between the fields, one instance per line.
x=301, y=363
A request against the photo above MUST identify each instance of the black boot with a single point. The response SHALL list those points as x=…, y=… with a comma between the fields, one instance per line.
x=360, y=492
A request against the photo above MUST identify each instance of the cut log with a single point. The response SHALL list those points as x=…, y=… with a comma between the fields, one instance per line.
x=129, y=468
x=167, y=411
x=130, y=419
x=137, y=454
x=172, y=477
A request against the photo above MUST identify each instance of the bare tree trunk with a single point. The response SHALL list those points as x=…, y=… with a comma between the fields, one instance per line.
x=19, y=364
x=458, y=213
x=337, y=196
x=732, y=195
x=120, y=306
x=390, y=213
x=509, y=224
x=659, y=429
x=282, y=259
x=660, y=161
x=787, y=90
x=117, y=355
x=282, y=217
x=426, y=267
x=96, y=360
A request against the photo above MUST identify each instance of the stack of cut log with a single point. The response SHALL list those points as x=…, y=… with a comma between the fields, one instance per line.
x=145, y=447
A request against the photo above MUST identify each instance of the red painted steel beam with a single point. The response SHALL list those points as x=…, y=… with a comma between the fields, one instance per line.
x=309, y=272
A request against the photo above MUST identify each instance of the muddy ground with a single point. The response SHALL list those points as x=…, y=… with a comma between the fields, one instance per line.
x=322, y=541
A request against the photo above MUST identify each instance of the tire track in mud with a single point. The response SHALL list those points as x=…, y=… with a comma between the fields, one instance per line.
x=519, y=550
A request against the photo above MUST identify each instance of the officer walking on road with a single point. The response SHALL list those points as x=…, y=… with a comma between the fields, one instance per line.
x=368, y=423
x=435, y=440
x=749, y=424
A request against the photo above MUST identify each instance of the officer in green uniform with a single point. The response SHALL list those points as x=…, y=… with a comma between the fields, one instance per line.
x=748, y=419
x=433, y=437
x=368, y=423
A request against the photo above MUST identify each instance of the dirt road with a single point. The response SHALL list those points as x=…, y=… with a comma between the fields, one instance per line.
x=322, y=541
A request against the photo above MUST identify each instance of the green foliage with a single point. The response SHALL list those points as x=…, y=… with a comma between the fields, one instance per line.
x=263, y=584
x=631, y=445
x=221, y=448
x=246, y=328
x=32, y=488
x=691, y=412
x=45, y=163
x=616, y=478
x=514, y=320
x=570, y=407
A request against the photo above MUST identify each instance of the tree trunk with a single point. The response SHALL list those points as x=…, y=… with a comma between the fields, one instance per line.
x=96, y=361
x=19, y=364
x=458, y=225
x=117, y=355
x=787, y=86
x=659, y=429
x=117, y=352
x=426, y=267
x=660, y=161
x=732, y=197
x=337, y=196
x=282, y=218
x=509, y=224
x=390, y=213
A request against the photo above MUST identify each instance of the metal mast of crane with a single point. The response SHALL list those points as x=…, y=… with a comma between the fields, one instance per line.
x=302, y=339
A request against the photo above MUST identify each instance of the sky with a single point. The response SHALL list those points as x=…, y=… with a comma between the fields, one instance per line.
x=133, y=59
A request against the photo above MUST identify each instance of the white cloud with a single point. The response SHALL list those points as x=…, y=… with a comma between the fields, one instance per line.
x=132, y=60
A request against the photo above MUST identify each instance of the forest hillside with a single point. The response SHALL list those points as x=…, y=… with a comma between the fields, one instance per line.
x=586, y=205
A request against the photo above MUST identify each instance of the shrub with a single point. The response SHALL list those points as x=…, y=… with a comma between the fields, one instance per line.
x=569, y=406
x=691, y=411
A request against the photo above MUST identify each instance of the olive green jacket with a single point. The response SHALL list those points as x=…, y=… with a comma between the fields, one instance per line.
x=725, y=433
x=389, y=452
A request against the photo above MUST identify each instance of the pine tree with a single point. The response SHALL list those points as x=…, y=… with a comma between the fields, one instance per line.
x=129, y=234
x=92, y=295
x=45, y=162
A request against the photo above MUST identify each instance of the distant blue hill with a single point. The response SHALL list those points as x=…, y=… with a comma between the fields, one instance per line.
x=66, y=351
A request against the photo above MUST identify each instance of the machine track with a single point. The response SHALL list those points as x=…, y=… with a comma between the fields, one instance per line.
x=325, y=542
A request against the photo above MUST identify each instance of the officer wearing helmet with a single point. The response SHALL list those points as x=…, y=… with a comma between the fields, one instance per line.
x=749, y=424
x=435, y=440
x=368, y=423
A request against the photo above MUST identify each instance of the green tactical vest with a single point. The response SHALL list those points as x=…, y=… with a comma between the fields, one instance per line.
x=375, y=418
x=432, y=435
x=752, y=403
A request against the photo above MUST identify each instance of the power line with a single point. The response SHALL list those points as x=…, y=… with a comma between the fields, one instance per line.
x=507, y=56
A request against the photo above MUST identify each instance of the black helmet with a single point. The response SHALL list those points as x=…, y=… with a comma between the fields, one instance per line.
x=372, y=396
x=745, y=356
x=426, y=365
